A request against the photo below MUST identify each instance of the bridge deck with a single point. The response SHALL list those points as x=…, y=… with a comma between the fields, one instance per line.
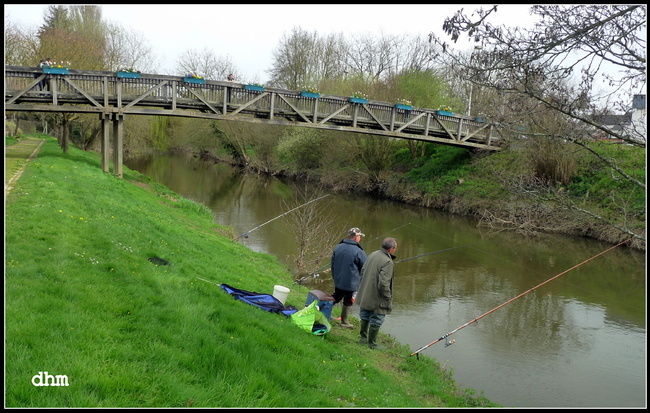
x=105, y=93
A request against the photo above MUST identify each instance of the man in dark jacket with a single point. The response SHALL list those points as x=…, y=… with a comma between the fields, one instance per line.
x=347, y=260
x=375, y=296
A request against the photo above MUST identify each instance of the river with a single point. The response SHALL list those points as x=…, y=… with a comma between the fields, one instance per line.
x=577, y=341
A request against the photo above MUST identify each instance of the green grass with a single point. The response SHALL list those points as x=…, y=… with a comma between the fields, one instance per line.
x=83, y=300
x=16, y=156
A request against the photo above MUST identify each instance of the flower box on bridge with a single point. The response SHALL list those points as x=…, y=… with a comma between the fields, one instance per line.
x=257, y=88
x=128, y=75
x=403, y=107
x=194, y=80
x=445, y=113
x=306, y=94
x=358, y=100
x=56, y=70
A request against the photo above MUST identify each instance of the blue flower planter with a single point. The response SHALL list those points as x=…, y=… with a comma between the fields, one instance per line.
x=358, y=100
x=445, y=113
x=194, y=80
x=309, y=94
x=56, y=70
x=254, y=87
x=128, y=75
x=404, y=107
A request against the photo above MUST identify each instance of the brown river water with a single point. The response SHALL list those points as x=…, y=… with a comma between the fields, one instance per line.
x=577, y=341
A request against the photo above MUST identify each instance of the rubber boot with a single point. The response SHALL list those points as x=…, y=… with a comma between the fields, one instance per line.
x=373, y=331
x=345, y=312
x=364, y=332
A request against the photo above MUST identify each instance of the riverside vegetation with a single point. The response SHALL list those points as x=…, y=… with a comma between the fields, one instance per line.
x=83, y=300
x=533, y=185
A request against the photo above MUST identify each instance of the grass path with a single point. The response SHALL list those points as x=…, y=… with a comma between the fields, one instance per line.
x=16, y=158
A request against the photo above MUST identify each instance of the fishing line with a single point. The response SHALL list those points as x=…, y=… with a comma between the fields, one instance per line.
x=435, y=252
x=198, y=278
x=532, y=270
x=394, y=229
x=448, y=343
x=245, y=234
x=396, y=262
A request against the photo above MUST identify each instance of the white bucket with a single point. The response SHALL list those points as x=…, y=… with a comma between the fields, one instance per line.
x=280, y=293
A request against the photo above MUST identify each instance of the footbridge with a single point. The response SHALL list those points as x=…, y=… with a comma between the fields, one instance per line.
x=112, y=95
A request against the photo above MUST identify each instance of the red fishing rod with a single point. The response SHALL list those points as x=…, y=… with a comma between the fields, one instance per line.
x=448, y=343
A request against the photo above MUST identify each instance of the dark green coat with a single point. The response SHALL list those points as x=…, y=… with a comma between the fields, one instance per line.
x=376, y=289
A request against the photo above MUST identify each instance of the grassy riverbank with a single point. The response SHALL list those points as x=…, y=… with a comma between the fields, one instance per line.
x=83, y=300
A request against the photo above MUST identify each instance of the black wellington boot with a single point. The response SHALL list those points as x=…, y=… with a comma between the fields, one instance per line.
x=373, y=331
x=364, y=332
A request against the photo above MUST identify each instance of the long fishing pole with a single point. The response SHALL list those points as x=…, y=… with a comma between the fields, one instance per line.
x=279, y=216
x=324, y=266
x=448, y=343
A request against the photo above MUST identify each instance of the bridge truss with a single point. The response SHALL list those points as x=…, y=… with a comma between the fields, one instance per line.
x=113, y=97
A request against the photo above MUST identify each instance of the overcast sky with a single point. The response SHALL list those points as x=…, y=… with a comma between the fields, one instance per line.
x=247, y=33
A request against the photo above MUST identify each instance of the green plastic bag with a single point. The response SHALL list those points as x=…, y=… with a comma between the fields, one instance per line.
x=311, y=320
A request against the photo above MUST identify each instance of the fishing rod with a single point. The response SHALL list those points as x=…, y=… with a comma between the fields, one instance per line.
x=312, y=274
x=245, y=234
x=448, y=343
x=315, y=272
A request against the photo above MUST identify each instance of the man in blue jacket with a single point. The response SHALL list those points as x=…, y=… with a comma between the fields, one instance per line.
x=347, y=260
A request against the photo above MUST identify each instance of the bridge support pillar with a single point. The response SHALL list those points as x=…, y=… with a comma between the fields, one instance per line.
x=118, y=128
x=106, y=135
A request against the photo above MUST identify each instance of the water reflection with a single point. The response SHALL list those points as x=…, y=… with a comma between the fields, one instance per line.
x=578, y=341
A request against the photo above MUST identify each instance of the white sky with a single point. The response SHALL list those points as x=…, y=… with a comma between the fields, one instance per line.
x=247, y=33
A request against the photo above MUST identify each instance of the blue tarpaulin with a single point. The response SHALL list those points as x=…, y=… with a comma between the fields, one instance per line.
x=264, y=301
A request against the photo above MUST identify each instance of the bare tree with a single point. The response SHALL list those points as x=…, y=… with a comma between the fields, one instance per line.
x=205, y=63
x=304, y=59
x=603, y=43
x=329, y=57
x=313, y=227
x=532, y=69
x=370, y=57
x=127, y=49
x=21, y=45
x=339, y=65
x=376, y=59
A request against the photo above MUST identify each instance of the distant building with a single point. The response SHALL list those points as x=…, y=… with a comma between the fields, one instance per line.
x=633, y=123
x=638, y=118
